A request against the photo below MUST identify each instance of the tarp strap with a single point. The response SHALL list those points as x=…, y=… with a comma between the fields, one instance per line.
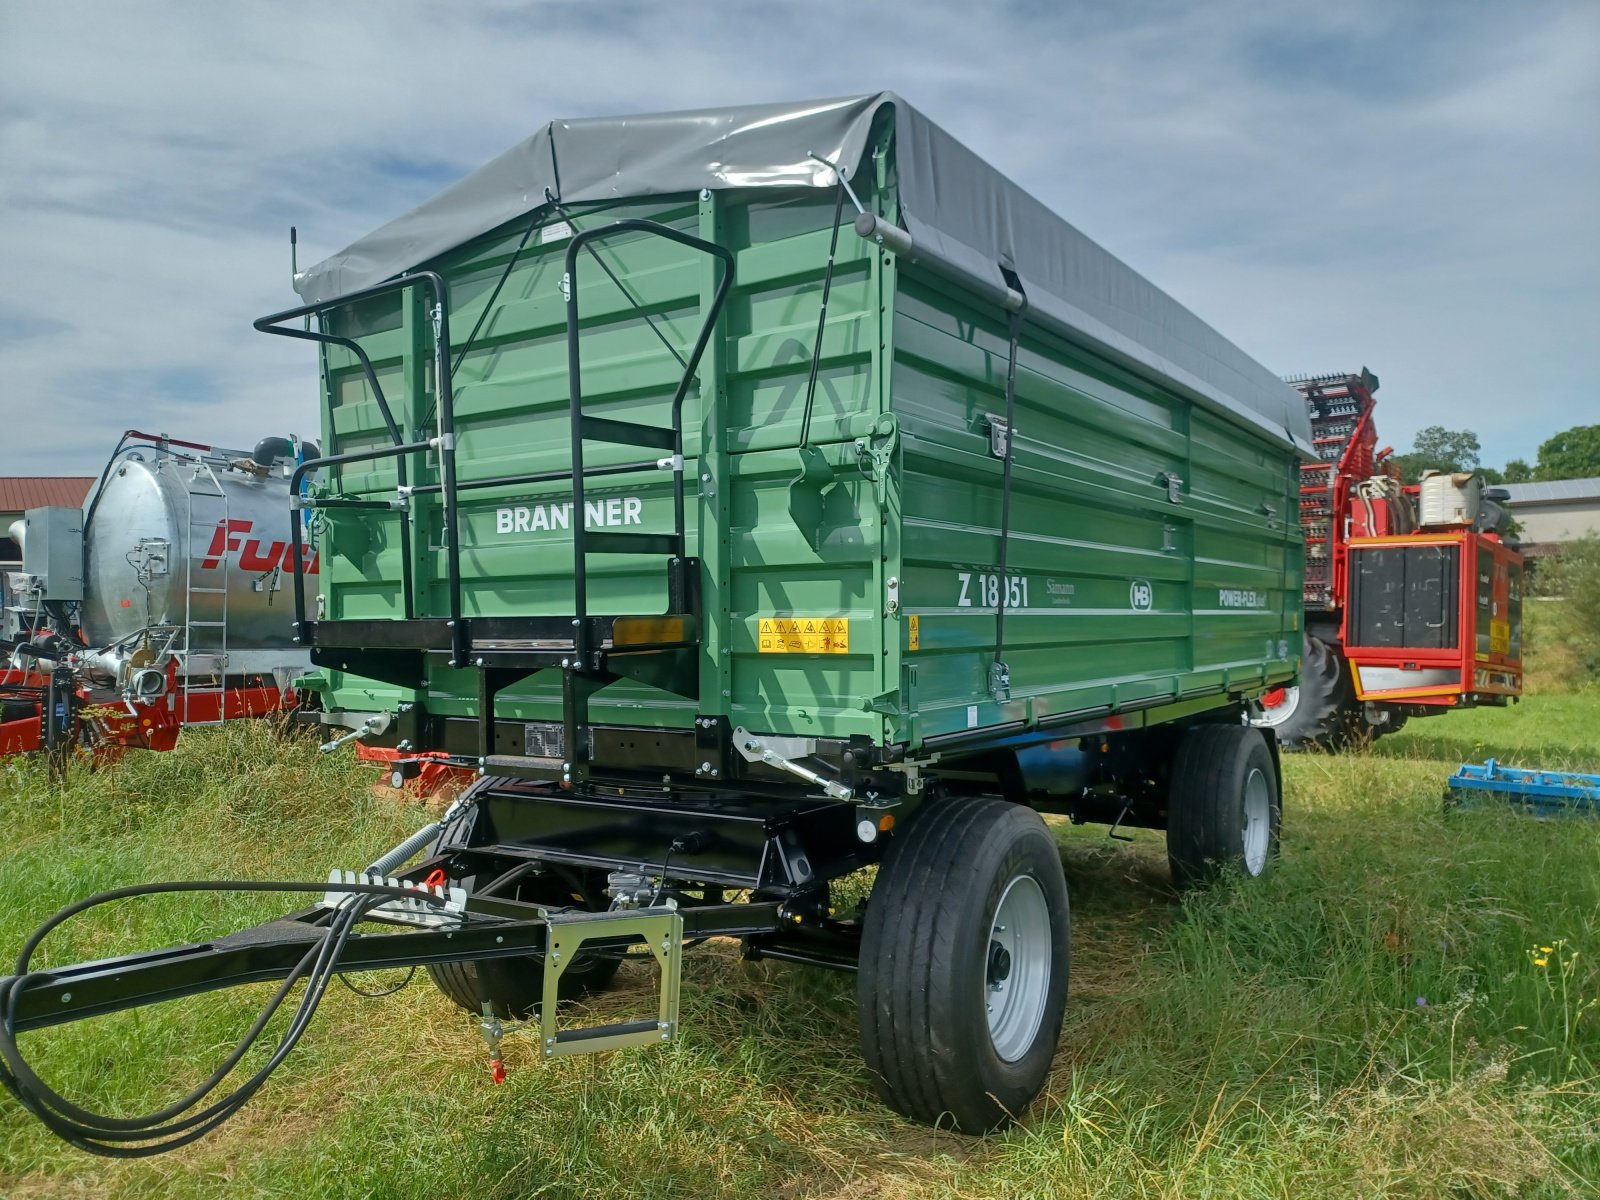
x=822, y=313
x=612, y=275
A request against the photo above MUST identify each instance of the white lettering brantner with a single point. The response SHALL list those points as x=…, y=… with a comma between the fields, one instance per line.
x=613, y=510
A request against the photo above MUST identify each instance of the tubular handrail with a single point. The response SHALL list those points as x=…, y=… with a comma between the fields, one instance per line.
x=575, y=395
x=297, y=545
x=445, y=442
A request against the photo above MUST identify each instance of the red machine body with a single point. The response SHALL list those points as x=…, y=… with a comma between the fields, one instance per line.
x=1434, y=618
x=102, y=722
x=1405, y=616
x=424, y=774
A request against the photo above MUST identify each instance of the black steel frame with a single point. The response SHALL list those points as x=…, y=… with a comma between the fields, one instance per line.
x=490, y=928
x=507, y=649
x=626, y=433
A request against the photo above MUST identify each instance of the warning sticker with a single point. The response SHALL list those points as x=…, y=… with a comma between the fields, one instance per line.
x=805, y=635
x=1499, y=637
x=914, y=633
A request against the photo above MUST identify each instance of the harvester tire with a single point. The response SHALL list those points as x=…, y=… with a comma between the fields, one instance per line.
x=1223, y=809
x=1323, y=712
x=514, y=987
x=965, y=951
x=1395, y=723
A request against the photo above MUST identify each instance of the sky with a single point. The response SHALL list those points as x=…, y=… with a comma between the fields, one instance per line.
x=1411, y=187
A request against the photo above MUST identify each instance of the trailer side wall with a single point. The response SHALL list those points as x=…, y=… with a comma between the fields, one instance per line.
x=1154, y=551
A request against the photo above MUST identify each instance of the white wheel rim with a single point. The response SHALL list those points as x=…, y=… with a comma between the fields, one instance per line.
x=1257, y=821
x=1017, y=962
x=1278, y=714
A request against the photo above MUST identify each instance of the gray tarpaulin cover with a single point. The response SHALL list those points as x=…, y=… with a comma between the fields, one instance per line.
x=964, y=217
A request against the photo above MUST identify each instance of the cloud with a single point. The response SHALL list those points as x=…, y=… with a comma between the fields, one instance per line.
x=1410, y=187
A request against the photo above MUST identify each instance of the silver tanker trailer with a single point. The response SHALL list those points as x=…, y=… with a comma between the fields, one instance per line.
x=168, y=585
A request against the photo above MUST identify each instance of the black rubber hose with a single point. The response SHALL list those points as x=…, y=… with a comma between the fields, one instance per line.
x=168, y=1129
x=91, y=1132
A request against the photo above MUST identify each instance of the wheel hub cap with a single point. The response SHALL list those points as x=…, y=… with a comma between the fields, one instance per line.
x=1257, y=830
x=999, y=964
x=1017, y=968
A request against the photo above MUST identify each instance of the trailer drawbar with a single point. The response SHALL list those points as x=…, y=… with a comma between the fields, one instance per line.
x=436, y=923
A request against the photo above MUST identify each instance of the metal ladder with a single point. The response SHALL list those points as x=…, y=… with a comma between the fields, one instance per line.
x=586, y=672
x=667, y=657
x=212, y=642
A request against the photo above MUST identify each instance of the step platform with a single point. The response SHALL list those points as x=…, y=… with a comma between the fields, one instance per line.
x=661, y=931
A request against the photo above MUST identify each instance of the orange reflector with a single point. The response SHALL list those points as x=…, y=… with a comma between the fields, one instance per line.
x=886, y=822
x=645, y=631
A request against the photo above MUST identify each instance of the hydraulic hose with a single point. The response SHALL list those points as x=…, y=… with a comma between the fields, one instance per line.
x=176, y=1125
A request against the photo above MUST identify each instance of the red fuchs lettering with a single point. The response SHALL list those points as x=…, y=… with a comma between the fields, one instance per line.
x=229, y=538
x=223, y=541
x=307, y=555
x=251, y=558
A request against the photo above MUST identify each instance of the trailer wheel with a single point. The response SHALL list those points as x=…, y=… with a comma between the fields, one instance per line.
x=1223, y=809
x=513, y=987
x=964, y=959
x=1322, y=711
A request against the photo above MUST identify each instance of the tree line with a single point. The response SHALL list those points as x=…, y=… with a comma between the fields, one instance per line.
x=1572, y=454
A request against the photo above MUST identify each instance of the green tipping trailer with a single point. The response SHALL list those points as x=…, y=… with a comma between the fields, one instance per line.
x=750, y=497
x=771, y=520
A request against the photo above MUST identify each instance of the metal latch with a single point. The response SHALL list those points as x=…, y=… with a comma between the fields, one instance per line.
x=1174, y=483
x=999, y=435
x=999, y=680
x=875, y=454
x=375, y=724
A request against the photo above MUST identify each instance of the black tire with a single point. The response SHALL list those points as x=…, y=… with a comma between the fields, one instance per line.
x=18, y=710
x=1323, y=712
x=1394, y=724
x=929, y=969
x=514, y=987
x=1222, y=778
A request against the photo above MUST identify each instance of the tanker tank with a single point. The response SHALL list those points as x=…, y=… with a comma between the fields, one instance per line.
x=185, y=554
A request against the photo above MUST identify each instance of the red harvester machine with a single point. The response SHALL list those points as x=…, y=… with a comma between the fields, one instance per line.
x=1413, y=602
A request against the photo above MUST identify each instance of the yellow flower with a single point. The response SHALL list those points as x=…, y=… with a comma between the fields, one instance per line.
x=1546, y=949
x=1540, y=962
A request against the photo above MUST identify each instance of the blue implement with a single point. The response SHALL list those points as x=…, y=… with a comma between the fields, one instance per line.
x=1545, y=793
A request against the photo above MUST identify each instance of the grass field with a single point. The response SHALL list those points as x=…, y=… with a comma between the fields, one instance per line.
x=1409, y=1006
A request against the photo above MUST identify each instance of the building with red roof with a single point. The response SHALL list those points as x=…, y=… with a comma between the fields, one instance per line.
x=19, y=493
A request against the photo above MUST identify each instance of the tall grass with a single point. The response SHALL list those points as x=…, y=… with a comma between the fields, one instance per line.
x=1568, y=629
x=1377, y=1018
